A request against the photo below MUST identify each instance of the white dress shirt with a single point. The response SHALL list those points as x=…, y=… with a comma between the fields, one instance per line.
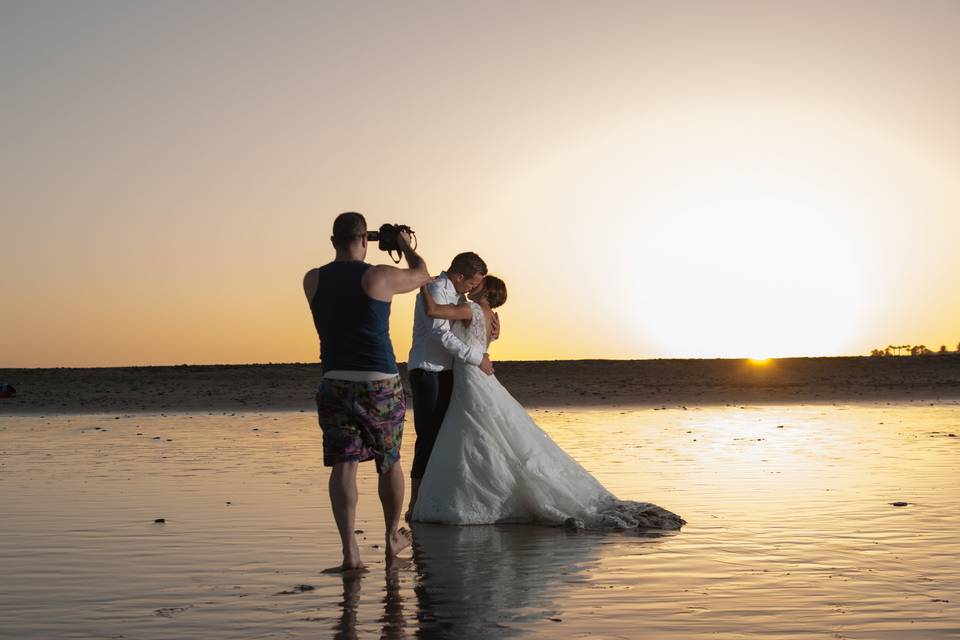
x=434, y=344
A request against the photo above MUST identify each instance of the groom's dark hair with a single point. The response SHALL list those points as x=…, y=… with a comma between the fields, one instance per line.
x=348, y=227
x=468, y=264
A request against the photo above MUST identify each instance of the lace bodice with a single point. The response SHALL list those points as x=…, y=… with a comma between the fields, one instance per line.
x=475, y=333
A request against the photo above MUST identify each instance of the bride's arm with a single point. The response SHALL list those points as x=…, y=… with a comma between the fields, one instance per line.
x=444, y=311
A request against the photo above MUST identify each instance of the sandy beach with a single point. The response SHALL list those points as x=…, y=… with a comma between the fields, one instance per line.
x=158, y=502
x=804, y=522
x=664, y=383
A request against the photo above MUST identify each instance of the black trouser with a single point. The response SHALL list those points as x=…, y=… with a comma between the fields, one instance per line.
x=431, y=396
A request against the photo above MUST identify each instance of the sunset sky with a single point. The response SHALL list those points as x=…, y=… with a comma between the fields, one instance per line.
x=689, y=179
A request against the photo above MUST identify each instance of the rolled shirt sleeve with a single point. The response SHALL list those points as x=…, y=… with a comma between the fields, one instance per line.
x=454, y=345
x=441, y=330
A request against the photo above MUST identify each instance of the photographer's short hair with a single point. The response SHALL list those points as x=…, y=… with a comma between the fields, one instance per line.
x=468, y=264
x=495, y=291
x=347, y=228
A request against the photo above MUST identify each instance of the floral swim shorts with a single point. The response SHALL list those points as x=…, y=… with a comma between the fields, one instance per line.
x=361, y=420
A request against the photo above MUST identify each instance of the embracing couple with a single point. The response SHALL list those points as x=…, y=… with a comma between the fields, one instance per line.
x=479, y=457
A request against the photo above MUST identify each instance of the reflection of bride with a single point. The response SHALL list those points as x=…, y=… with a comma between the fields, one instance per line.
x=472, y=579
x=492, y=463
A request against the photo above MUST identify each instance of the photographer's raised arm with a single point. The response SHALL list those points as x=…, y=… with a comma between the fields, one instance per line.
x=443, y=311
x=382, y=282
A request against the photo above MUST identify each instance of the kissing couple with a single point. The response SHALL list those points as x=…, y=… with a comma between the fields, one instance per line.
x=479, y=457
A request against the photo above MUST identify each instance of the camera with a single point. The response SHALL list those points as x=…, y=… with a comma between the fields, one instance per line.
x=387, y=238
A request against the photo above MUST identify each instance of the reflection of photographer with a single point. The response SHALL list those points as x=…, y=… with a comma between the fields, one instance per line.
x=360, y=402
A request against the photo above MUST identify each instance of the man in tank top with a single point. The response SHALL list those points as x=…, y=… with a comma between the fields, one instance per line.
x=360, y=401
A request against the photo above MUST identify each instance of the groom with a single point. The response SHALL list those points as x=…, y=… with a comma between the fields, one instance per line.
x=432, y=355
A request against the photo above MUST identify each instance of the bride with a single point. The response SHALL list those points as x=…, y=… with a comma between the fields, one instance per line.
x=492, y=463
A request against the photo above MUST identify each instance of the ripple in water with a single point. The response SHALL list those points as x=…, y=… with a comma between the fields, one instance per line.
x=792, y=532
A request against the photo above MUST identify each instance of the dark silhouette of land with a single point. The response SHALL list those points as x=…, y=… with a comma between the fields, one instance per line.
x=667, y=383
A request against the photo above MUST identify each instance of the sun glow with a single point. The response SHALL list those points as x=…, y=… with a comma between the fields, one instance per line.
x=744, y=239
x=727, y=235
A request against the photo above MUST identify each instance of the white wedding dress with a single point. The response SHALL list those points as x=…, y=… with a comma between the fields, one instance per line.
x=491, y=463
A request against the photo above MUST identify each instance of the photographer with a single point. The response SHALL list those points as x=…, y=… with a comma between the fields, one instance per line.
x=360, y=402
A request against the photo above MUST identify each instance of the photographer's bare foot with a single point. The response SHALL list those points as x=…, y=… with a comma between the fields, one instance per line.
x=398, y=541
x=351, y=562
x=347, y=570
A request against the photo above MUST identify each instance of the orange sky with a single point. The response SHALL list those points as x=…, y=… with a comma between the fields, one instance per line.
x=693, y=180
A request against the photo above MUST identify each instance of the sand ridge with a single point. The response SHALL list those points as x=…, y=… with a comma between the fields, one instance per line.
x=542, y=383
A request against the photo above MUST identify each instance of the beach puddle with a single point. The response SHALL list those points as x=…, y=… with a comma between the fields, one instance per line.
x=813, y=521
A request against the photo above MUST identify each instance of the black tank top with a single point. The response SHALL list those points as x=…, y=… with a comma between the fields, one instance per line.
x=354, y=328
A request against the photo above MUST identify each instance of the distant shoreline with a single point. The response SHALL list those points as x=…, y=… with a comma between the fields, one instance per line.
x=659, y=383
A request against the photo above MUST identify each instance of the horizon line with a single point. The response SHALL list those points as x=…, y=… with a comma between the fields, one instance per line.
x=558, y=360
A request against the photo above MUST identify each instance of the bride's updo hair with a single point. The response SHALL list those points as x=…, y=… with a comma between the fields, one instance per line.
x=495, y=291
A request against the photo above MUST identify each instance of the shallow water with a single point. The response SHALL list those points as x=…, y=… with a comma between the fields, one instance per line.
x=791, y=532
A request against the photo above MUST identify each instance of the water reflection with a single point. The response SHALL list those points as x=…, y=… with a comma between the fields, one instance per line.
x=483, y=581
x=478, y=581
x=346, y=626
x=792, y=533
x=393, y=623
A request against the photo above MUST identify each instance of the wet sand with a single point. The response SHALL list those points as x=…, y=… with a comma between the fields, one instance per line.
x=793, y=531
x=667, y=383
